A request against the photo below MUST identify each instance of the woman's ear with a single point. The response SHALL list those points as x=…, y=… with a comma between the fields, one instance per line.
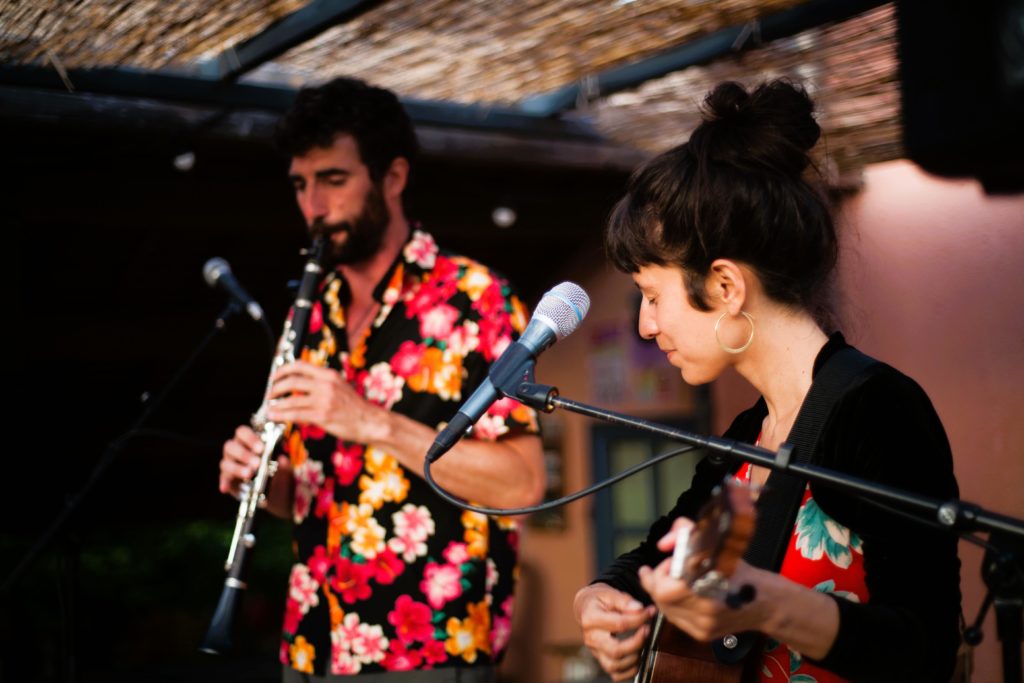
x=727, y=285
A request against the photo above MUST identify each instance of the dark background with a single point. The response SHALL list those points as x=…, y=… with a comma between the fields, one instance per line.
x=103, y=247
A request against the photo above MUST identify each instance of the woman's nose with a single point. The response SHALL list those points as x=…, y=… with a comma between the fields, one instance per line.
x=647, y=327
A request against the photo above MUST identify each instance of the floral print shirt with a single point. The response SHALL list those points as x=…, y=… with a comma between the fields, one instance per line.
x=388, y=577
x=823, y=555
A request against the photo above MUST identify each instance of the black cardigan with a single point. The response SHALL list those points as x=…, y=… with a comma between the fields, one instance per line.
x=883, y=429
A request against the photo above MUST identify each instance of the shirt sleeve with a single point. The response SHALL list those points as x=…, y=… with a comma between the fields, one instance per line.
x=500, y=318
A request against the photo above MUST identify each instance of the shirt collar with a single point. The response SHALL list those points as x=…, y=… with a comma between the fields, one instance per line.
x=415, y=258
x=835, y=342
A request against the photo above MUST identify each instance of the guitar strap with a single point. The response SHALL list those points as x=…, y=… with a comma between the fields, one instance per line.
x=780, y=499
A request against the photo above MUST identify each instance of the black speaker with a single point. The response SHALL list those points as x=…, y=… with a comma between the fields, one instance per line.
x=962, y=81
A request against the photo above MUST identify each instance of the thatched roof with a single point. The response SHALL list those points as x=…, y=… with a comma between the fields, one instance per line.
x=849, y=68
x=143, y=33
x=482, y=52
x=503, y=52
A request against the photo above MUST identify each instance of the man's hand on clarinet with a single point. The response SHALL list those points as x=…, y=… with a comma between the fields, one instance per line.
x=308, y=394
x=240, y=457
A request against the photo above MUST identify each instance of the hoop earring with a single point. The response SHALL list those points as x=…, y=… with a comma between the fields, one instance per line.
x=735, y=349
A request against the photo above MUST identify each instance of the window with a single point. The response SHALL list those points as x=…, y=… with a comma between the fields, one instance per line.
x=624, y=511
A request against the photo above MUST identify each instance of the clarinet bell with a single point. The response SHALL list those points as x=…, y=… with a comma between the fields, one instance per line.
x=218, y=636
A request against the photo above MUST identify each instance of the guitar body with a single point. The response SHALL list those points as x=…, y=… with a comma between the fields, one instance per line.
x=674, y=656
x=705, y=559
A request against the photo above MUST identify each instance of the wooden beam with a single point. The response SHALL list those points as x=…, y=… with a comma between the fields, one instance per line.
x=283, y=35
x=19, y=105
x=202, y=91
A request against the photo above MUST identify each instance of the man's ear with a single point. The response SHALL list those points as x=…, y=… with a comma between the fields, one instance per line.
x=396, y=178
x=727, y=284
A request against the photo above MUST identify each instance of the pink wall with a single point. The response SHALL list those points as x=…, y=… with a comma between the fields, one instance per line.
x=933, y=276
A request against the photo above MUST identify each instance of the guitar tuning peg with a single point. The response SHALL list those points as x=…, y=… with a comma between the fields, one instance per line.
x=744, y=595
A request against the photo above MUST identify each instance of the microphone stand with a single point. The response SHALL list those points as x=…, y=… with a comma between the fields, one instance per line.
x=1003, y=566
x=110, y=453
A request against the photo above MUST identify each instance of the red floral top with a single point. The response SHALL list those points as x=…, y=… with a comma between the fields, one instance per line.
x=387, y=576
x=825, y=556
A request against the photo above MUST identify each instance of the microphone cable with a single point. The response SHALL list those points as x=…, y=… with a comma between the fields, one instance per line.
x=548, y=505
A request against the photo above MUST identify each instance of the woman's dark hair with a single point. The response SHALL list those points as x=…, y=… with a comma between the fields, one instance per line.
x=738, y=190
x=372, y=116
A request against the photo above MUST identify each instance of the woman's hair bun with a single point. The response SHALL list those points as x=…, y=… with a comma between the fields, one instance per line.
x=737, y=189
x=771, y=127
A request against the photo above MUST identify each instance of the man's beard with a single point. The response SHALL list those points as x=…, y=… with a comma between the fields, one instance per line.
x=365, y=232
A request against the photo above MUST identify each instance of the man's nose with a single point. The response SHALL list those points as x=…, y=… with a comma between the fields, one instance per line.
x=313, y=206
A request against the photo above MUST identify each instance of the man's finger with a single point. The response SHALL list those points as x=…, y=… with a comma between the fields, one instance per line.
x=301, y=368
x=292, y=384
x=249, y=438
x=291, y=403
x=240, y=453
x=233, y=471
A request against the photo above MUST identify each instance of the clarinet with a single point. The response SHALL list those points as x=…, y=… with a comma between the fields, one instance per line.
x=253, y=492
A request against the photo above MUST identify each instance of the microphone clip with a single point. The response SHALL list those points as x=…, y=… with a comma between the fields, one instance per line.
x=515, y=378
x=539, y=396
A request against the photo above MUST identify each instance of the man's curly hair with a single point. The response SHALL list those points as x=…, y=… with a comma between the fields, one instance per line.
x=372, y=116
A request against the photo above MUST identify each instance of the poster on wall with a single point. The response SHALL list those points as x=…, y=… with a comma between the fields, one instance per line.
x=624, y=369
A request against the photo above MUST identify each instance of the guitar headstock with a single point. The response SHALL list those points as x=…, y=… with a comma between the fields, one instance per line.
x=707, y=555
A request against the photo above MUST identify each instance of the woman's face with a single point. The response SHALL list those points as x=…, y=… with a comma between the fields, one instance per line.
x=685, y=334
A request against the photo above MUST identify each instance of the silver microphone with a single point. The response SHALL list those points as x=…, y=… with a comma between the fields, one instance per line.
x=217, y=273
x=558, y=314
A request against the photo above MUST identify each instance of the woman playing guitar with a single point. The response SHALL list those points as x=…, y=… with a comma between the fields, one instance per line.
x=732, y=249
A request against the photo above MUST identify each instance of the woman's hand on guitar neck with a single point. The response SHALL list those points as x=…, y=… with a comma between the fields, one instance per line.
x=806, y=620
x=615, y=626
